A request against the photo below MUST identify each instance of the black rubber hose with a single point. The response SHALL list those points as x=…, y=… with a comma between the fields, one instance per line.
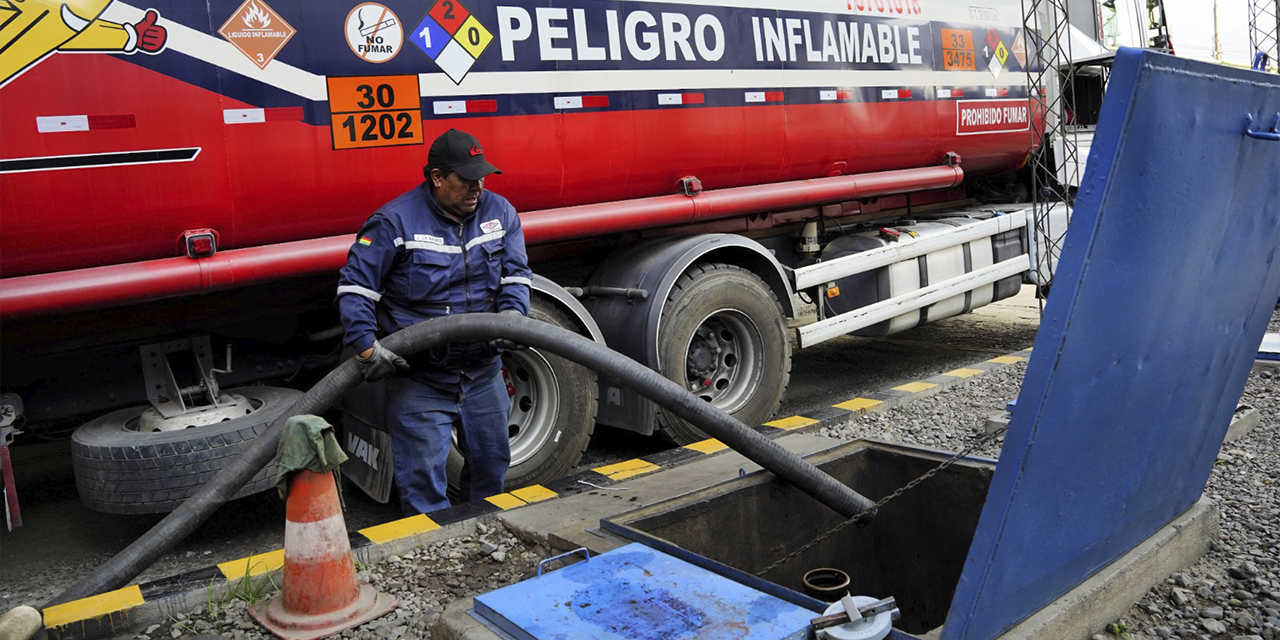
x=144, y=551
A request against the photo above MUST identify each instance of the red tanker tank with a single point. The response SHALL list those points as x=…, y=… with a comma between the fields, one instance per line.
x=150, y=152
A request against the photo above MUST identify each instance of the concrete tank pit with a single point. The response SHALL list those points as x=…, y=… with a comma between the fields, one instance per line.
x=914, y=550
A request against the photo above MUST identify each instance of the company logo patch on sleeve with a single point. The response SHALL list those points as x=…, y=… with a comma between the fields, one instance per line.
x=366, y=240
x=492, y=226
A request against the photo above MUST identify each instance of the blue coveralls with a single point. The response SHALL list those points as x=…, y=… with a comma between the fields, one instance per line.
x=411, y=262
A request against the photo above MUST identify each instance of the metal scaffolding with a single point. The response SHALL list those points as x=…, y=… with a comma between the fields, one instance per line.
x=1054, y=167
x=1264, y=33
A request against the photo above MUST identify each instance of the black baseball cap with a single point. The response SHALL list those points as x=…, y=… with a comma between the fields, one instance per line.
x=459, y=151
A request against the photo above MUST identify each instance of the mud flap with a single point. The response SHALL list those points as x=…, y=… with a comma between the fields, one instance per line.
x=363, y=434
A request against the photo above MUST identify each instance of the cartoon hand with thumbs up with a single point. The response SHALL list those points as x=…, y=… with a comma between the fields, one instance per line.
x=150, y=36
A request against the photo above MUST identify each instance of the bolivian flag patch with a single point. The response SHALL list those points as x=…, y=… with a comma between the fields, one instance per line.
x=366, y=240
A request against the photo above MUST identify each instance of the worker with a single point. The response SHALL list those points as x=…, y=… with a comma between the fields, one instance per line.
x=443, y=248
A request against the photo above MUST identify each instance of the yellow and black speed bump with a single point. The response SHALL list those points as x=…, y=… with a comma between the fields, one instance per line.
x=136, y=606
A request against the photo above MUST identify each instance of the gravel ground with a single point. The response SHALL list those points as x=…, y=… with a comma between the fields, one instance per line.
x=1233, y=593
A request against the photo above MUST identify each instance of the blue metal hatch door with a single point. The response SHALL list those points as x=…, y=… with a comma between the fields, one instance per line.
x=1166, y=283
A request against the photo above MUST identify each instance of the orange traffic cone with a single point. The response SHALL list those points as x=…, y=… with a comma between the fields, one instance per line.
x=320, y=594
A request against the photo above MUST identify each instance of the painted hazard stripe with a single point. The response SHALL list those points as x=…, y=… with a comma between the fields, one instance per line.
x=59, y=124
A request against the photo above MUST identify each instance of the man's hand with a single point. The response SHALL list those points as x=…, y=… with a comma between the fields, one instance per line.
x=380, y=362
x=506, y=344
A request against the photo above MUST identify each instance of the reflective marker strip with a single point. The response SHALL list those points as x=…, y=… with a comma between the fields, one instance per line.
x=950, y=93
x=485, y=238
x=755, y=96
x=991, y=92
x=889, y=94
x=50, y=124
x=254, y=116
x=836, y=94
x=358, y=290
x=243, y=116
x=93, y=606
x=447, y=107
x=444, y=107
x=666, y=99
x=58, y=124
x=516, y=280
x=773, y=96
x=1002, y=92
x=438, y=248
x=581, y=102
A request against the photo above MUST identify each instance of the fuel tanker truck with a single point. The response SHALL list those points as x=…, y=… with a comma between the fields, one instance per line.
x=180, y=182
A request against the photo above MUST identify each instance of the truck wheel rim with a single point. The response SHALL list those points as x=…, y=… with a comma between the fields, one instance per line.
x=722, y=359
x=534, y=404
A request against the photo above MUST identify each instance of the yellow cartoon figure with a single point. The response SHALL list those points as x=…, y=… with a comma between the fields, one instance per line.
x=30, y=30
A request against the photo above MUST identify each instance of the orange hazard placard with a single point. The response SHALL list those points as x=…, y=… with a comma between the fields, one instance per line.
x=374, y=111
x=957, y=50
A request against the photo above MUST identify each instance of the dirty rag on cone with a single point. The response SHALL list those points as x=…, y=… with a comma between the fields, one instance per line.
x=306, y=443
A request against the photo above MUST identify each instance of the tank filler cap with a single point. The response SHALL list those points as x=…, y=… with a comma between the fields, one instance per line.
x=874, y=619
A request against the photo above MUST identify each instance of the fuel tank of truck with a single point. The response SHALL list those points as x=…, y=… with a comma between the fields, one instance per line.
x=258, y=122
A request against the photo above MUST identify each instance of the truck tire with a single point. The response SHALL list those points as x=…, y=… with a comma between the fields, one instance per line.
x=723, y=337
x=553, y=410
x=121, y=470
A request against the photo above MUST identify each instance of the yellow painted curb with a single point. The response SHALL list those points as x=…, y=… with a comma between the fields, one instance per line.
x=857, y=404
x=1008, y=360
x=256, y=564
x=505, y=501
x=402, y=528
x=963, y=373
x=534, y=493
x=707, y=446
x=794, y=422
x=915, y=387
x=93, y=606
x=627, y=469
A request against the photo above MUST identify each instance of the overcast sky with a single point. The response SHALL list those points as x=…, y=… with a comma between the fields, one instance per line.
x=1191, y=27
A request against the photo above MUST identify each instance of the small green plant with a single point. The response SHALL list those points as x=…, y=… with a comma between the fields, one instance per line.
x=1120, y=629
x=360, y=566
